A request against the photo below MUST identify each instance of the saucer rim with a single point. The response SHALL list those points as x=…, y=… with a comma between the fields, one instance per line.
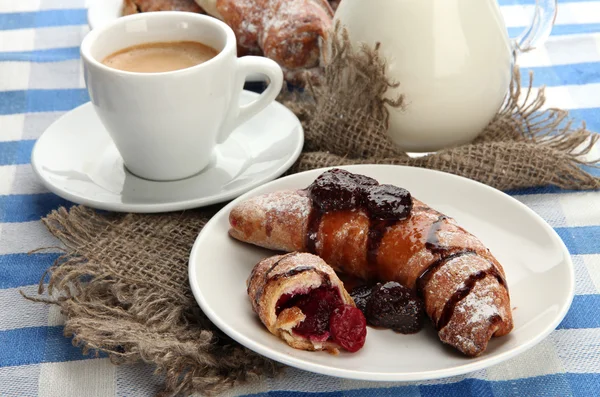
x=148, y=208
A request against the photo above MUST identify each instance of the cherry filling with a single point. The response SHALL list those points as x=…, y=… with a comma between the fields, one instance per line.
x=327, y=317
x=348, y=327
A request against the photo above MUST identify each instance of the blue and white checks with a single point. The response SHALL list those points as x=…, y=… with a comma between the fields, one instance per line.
x=41, y=78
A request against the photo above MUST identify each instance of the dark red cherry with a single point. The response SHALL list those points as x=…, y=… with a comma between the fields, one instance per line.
x=348, y=327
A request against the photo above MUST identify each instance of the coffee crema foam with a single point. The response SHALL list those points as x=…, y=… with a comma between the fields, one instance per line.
x=160, y=56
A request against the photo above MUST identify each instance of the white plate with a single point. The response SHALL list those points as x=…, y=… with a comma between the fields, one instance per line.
x=76, y=159
x=538, y=269
x=101, y=12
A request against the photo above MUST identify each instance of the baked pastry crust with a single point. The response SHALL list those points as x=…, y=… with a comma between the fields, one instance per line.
x=293, y=273
x=135, y=6
x=461, y=282
x=288, y=31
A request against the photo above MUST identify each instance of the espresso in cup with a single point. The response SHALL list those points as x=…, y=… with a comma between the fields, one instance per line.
x=160, y=57
x=167, y=126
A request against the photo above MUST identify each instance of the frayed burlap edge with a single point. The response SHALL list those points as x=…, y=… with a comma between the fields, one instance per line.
x=522, y=147
x=111, y=307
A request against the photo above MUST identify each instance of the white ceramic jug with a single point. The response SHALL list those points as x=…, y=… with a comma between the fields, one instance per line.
x=452, y=58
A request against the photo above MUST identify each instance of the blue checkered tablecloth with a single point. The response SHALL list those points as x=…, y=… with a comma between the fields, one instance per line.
x=41, y=79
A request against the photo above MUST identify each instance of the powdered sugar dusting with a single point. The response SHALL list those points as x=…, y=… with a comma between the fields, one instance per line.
x=287, y=31
x=249, y=27
x=283, y=202
x=480, y=307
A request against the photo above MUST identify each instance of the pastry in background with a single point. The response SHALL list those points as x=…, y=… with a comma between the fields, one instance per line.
x=129, y=7
x=300, y=299
x=245, y=18
x=135, y=6
x=288, y=31
x=210, y=7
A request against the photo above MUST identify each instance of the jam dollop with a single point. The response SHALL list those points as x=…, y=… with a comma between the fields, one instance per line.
x=388, y=202
x=394, y=306
x=390, y=305
x=338, y=189
x=361, y=296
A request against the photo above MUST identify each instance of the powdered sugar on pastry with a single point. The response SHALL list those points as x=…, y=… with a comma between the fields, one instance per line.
x=287, y=31
x=274, y=217
x=478, y=316
x=282, y=202
x=481, y=309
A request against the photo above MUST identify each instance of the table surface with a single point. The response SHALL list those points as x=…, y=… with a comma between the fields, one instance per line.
x=41, y=78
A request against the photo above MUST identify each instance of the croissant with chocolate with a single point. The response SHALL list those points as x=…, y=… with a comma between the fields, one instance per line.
x=300, y=299
x=381, y=233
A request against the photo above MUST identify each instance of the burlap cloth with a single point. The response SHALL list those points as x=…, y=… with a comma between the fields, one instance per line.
x=122, y=281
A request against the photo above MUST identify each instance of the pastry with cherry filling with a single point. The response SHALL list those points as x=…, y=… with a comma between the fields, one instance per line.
x=300, y=299
x=380, y=233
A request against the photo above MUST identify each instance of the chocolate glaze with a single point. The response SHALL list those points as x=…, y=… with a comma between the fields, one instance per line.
x=259, y=293
x=426, y=275
x=276, y=263
x=446, y=254
x=433, y=242
x=289, y=273
x=337, y=190
x=377, y=229
x=461, y=293
x=314, y=220
x=292, y=272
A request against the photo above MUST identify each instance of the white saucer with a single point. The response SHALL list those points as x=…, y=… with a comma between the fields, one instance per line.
x=76, y=159
x=538, y=268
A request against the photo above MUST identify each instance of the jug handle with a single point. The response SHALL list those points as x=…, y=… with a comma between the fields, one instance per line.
x=541, y=26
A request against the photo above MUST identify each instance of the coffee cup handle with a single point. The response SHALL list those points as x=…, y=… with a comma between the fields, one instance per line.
x=246, y=66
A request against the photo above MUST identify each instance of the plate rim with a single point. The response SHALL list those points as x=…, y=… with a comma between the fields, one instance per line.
x=171, y=206
x=299, y=363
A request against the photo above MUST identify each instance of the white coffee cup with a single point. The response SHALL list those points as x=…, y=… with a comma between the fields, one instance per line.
x=166, y=125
